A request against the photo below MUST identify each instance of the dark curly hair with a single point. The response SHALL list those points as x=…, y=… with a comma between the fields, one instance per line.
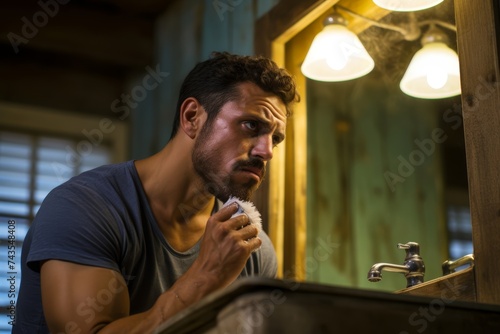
x=213, y=82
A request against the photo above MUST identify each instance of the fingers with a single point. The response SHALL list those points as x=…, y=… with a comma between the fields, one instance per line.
x=248, y=232
x=241, y=224
x=224, y=216
x=226, y=212
x=254, y=243
x=238, y=227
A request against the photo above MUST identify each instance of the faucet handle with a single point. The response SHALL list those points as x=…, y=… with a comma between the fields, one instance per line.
x=413, y=267
x=412, y=249
x=450, y=266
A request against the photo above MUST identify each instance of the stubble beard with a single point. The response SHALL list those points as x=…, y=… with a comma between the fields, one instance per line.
x=216, y=181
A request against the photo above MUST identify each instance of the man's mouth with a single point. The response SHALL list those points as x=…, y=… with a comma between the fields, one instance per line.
x=254, y=170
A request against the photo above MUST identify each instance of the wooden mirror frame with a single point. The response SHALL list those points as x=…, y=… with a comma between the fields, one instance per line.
x=285, y=199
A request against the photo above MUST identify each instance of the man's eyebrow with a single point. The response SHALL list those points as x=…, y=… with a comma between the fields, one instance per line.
x=267, y=117
x=268, y=114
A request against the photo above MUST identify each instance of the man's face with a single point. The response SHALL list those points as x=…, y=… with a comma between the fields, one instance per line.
x=231, y=154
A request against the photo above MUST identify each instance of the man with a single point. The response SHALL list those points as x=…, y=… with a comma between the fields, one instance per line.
x=122, y=248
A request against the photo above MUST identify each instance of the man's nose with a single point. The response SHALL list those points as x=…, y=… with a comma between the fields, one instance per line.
x=263, y=147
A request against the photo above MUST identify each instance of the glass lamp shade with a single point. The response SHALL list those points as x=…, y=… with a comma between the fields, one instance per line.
x=406, y=5
x=433, y=73
x=336, y=54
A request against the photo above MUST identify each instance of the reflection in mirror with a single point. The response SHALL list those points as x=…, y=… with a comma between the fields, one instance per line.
x=383, y=167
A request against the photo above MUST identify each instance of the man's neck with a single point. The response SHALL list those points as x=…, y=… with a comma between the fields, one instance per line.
x=176, y=195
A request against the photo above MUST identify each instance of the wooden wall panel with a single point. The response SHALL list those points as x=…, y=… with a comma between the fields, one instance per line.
x=478, y=28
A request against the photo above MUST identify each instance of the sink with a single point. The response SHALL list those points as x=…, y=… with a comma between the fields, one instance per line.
x=258, y=306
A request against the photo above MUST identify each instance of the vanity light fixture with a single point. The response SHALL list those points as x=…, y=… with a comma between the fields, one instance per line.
x=434, y=71
x=336, y=53
x=406, y=5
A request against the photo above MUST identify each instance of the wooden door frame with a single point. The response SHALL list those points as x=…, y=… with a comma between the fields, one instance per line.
x=477, y=31
x=286, y=192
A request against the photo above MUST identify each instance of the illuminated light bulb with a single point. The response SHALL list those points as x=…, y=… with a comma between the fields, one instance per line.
x=436, y=78
x=433, y=73
x=336, y=60
x=336, y=54
x=406, y=5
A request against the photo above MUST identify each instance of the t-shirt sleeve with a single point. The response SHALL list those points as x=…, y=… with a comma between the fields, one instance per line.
x=268, y=260
x=75, y=224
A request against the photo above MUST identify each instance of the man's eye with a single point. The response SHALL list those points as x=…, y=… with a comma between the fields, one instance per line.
x=251, y=125
x=277, y=140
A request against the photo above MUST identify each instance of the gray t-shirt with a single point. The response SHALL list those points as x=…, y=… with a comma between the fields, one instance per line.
x=102, y=218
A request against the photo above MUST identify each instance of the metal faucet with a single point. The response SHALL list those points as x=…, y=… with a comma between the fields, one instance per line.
x=450, y=266
x=413, y=267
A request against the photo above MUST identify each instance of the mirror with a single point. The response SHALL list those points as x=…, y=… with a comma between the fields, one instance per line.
x=382, y=167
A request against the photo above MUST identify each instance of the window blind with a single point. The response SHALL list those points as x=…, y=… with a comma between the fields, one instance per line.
x=459, y=232
x=31, y=166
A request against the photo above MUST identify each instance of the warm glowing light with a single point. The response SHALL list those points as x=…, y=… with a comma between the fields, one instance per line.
x=336, y=54
x=406, y=5
x=433, y=73
x=437, y=77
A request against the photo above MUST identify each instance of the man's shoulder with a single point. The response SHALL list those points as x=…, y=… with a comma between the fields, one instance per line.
x=265, y=257
x=108, y=186
x=110, y=171
x=267, y=246
x=100, y=177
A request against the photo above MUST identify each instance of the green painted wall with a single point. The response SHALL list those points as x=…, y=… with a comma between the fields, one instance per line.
x=359, y=132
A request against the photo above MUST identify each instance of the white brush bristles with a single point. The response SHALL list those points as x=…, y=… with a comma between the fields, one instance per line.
x=249, y=209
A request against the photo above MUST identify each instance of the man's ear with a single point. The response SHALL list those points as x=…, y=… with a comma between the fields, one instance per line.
x=192, y=117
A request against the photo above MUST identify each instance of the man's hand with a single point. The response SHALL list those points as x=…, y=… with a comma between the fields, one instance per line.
x=226, y=246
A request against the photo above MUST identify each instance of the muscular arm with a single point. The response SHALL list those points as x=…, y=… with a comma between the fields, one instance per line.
x=85, y=299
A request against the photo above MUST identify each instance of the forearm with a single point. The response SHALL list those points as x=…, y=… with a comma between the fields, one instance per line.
x=188, y=290
x=167, y=305
x=141, y=323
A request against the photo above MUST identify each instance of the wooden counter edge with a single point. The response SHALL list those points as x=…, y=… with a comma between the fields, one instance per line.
x=456, y=286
